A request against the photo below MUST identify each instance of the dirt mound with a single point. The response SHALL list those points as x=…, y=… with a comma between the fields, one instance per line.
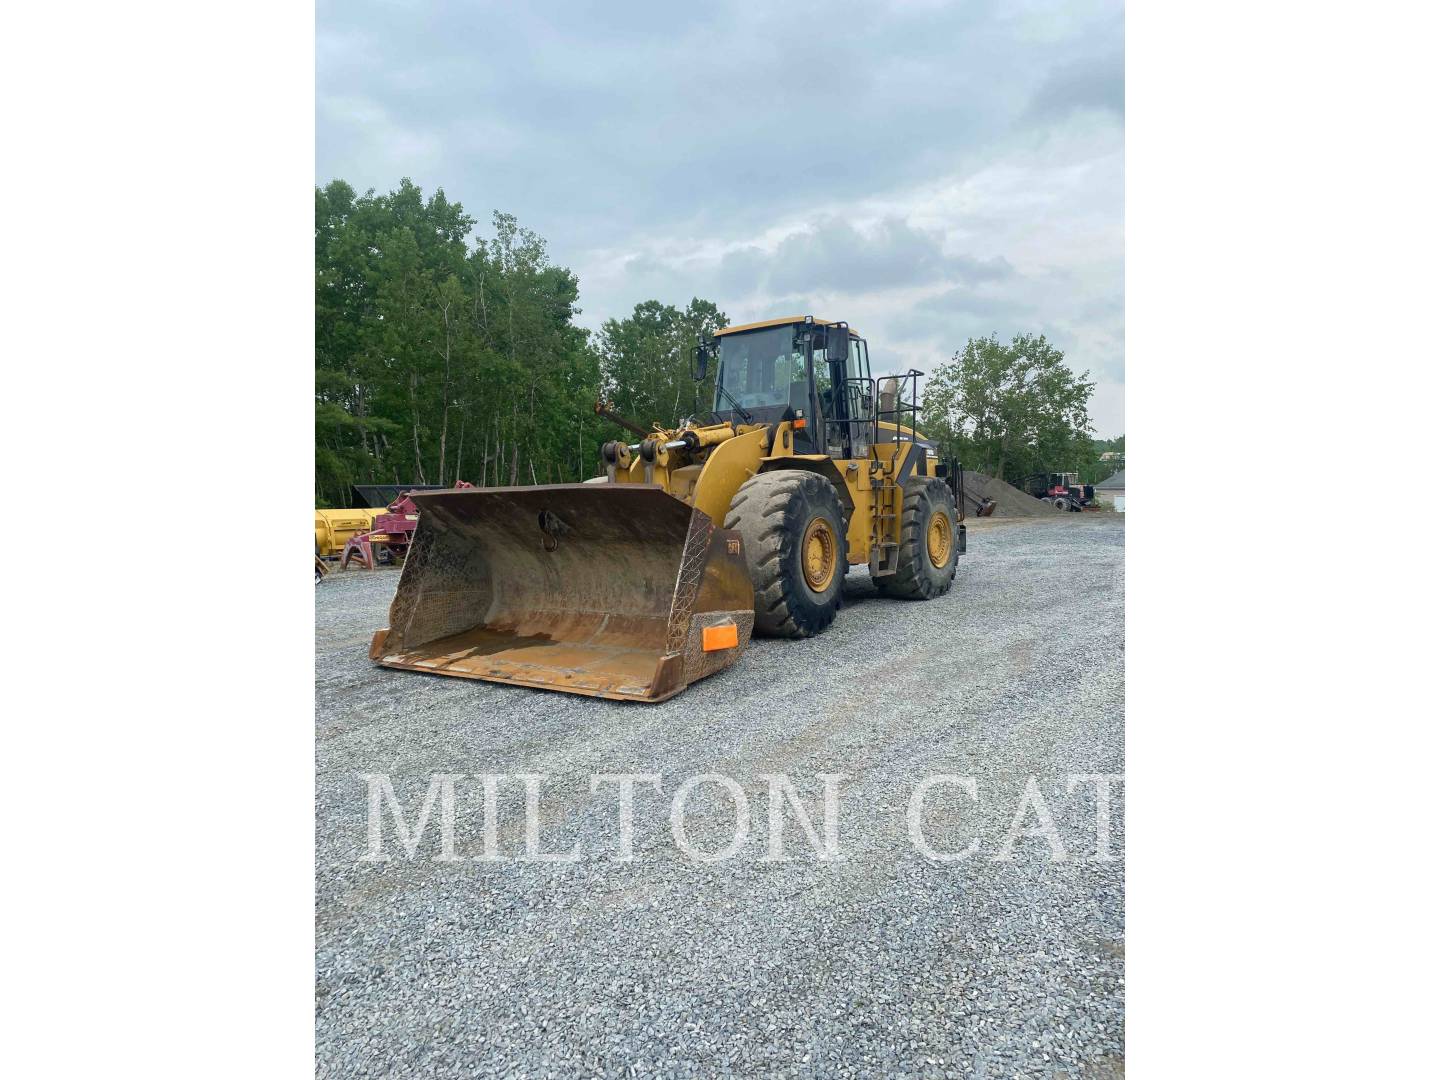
x=1010, y=501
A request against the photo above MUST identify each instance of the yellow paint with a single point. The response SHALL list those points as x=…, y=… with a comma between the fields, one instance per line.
x=334, y=527
x=681, y=482
x=729, y=465
x=714, y=435
x=725, y=456
x=777, y=322
x=937, y=541
x=906, y=432
x=819, y=554
x=857, y=535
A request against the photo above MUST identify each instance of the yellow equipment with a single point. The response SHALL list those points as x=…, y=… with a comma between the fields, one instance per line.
x=639, y=582
x=334, y=527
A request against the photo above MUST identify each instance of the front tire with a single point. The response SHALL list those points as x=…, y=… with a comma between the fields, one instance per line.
x=794, y=533
x=928, y=551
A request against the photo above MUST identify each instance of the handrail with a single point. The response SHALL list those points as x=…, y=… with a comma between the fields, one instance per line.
x=903, y=408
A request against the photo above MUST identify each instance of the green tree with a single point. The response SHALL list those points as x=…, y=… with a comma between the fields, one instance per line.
x=529, y=389
x=1010, y=409
x=645, y=361
x=436, y=360
x=381, y=270
x=441, y=356
x=1094, y=470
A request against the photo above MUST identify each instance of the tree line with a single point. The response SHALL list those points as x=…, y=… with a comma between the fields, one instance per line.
x=442, y=355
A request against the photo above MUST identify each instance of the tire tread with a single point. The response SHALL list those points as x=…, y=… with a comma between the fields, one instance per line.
x=770, y=543
x=913, y=580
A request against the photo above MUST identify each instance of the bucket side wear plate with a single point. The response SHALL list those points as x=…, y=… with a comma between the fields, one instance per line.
x=599, y=589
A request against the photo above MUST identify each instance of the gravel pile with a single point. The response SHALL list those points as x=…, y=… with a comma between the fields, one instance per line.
x=880, y=964
x=1010, y=501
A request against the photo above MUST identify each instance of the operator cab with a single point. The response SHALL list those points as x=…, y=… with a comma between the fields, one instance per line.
x=804, y=369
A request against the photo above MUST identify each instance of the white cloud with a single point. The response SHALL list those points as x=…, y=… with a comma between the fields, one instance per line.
x=934, y=172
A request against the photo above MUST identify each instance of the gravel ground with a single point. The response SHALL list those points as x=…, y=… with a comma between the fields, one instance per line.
x=879, y=963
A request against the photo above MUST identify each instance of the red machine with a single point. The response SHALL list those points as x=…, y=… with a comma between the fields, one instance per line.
x=1062, y=490
x=389, y=540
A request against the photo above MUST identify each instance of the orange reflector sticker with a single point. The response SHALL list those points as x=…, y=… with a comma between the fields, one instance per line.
x=799, y=423
x=719, y=637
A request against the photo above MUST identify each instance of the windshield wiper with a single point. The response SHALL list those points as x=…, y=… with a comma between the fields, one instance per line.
x=731, y=398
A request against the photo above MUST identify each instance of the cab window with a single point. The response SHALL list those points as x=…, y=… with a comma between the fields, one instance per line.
x=760, y=368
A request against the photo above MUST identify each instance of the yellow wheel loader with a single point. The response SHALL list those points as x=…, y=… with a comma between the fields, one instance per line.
x=638, y=582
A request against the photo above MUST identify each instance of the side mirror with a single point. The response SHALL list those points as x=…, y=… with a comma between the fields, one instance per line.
x=837, y=342
x=700, y=362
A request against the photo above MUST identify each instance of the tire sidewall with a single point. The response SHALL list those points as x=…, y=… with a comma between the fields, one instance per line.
x=934, y=499
x=812, y=611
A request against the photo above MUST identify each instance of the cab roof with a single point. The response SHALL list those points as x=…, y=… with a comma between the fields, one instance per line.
x=778, y=322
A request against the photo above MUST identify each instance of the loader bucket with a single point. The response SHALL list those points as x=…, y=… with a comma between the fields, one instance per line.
x=613, y=590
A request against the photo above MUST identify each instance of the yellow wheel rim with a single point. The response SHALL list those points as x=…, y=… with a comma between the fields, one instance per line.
x=937, y=539
x=819, y=554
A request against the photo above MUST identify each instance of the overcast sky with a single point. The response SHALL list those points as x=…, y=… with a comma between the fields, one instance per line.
x=925, y=170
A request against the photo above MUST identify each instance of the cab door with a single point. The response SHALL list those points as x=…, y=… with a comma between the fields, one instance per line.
x=860, y=398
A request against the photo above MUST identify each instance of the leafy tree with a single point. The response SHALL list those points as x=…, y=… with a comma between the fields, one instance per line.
x=440, y=356
x=1011, y=409
x=645, y=361
x=381, y=262
x=1094, y=470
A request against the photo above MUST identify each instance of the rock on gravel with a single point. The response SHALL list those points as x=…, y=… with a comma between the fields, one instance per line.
x=880, y=963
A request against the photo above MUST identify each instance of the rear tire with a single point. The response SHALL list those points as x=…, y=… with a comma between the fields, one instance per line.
x=928, y=550
x=794, y=533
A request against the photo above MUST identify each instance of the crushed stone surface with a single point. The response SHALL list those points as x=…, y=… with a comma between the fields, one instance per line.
x=879, y=963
